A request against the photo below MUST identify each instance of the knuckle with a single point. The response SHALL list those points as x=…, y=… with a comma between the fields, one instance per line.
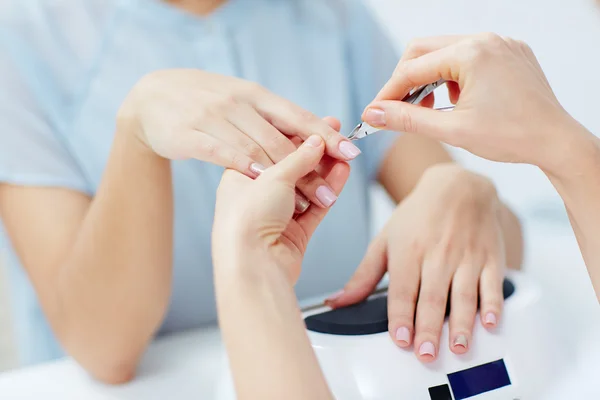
x=225, y=104
x=404, y=121
x=306, y=180
x=249, y=90
x=428, y=329
x=253, y=150
x=413, y=48
x=401, y=317
x=238, y=161
x=208, y=148
x=281, y=144
x=491, y=38
x=495, y=303
x=404, y=295
x=466, y=296
x=435, y=301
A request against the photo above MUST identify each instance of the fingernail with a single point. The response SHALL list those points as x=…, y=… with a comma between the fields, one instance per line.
x=427, y=349
x=257, y=168
x=375, y=117
x=335, y=296
x=314, y=141
x=490, y=319
x=349, y=150
x=461, y=340
x=403, y=335
x=302, y=203
x=325, y=196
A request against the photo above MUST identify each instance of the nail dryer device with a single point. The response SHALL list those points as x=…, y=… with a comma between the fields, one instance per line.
x=518, y=360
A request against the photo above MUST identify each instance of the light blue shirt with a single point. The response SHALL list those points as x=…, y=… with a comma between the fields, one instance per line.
x=66, y=66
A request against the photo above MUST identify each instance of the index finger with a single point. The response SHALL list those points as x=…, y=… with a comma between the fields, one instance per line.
x=439, y=64
x=293, y=120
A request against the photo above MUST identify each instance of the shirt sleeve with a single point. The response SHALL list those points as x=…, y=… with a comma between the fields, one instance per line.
x=33, y=149
x=372, y=59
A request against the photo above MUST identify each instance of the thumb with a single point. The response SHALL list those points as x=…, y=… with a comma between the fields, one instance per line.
x=400, y=116
x=299, y=163
x=366, y=278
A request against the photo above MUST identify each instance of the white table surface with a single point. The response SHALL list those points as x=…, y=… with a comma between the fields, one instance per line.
x=189, y=365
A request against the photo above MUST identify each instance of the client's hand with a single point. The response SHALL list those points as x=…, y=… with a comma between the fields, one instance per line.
x=183, y=114
x=255, y=218
x=505, y=108
x=445, y=237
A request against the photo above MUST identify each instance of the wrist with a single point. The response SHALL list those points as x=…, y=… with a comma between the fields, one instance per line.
x=576, y=155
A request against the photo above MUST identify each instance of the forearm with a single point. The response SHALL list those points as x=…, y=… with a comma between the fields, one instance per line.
x=578, y=183
x=113, y=289
x=269, y=351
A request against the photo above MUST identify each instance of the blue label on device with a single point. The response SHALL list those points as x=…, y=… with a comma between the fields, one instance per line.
x=483, y=378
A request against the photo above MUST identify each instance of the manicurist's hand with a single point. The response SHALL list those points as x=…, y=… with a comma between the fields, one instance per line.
x=505, y=107
x=183, y=114
x=445, y=237
x=256, y=216
x=258, y=247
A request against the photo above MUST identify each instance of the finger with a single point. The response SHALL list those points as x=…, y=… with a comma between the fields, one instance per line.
x=299, y=163
x=277, y=146
x=365, y=278
x=293, y=120
x=431, y=309
x=337, y=178
x=227, y=132
x=404, y=266
x=334, y=123
x=431, y=67
x=409, y=118
x=490, y=293
x=463, y=300
x=421, y=46
x=204, y=147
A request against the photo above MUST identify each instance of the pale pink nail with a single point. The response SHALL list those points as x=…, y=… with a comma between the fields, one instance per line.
x=257, y=168
x=302, y=203
x=375, y=117
x=427, y=349
x=325, y=196
x=490, y=319
x=403, y=335
x=349, y=150
x=335, y=296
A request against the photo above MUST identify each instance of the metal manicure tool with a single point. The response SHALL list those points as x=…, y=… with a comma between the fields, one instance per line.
x=363, y=129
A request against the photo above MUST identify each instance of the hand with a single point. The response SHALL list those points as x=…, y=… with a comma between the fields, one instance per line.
x=505, y=108
x=255, y=218
x=182, y=114
x=445, y=236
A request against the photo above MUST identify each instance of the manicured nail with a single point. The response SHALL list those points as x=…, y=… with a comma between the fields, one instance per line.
x=461, y=340
x=490, y=319
x=325, y=196
x=427, y=349
x=403, y=335
x=302, y=203
x=335, y=296
x=314, y=141
x=375, y=117
x=257, y=168
x=349, y=150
